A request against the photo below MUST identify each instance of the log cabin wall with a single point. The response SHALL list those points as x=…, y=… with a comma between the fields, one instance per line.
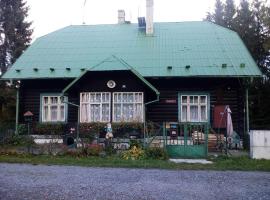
x=30, y=90
x=223, y=91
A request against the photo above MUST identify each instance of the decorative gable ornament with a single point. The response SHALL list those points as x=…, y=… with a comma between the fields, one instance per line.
x=111, y=84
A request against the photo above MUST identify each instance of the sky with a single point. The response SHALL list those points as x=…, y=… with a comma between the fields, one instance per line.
x=50, y=15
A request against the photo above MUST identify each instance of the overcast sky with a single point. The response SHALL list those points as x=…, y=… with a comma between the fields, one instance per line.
x=50, y=15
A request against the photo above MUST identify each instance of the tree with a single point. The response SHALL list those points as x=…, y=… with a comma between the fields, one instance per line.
x=15, y=31
x=15, y=37
x=252, y=23
x=229, y=14
x=218, y=16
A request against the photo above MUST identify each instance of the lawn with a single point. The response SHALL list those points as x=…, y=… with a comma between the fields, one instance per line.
x=221, y=163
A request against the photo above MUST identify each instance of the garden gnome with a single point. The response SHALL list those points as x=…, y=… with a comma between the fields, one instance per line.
x=109, y=134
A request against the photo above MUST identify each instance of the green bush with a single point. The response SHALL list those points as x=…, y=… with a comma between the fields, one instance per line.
x=156, y=153
x=22, y=129
x=136, y=143
x=18, y=140
x=120, y=129
x=92, y=128
x=134, y=153
x=49, y=128
x=93, y=150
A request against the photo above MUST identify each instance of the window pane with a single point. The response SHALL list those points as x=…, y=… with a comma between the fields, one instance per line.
x=105, y=97
x=85, y=113
x=46, y=100
x=46, y=113
x=128, y=112
x=98, y=97
x=191, y=99
x=54, y=113
x=85, y=97
x=203, y=113
x=95, y=113
x=54, y=100
x=105, y=113
x=117, y=112
x=92, y=97
x=194, y=116
x=196, y=99
x=138, y=113
x=184, y=99
x=125, y=97
x=130, y=98
x=141, y=97
x=203, y=99
x=119, y=97
x=184, y=113
x=62, y=115
x=115, y=97
x=108, y=99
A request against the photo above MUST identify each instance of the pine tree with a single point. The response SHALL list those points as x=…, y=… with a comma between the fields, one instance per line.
x=218, y=15
x=229, y=14
x=15, y=31
x=15, y=36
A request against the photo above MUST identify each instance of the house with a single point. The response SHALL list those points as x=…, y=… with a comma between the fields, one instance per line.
x=160, y=72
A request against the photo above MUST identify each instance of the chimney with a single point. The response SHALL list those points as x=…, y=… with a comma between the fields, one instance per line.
x=121, y=17
x=149, y=17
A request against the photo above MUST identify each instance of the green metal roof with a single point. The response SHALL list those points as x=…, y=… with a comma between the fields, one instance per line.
x=201, y=45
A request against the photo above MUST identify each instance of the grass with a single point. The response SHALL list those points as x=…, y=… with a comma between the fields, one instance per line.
x=221, y=163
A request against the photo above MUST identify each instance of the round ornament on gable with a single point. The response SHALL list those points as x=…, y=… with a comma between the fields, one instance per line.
x=111, y=84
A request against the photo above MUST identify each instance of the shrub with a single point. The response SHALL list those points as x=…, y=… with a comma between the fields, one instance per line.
x=134, y=153
x=93, y=129
x=93, y=150
x=136, y=143
x=49, y=128
x=156, y=153
x=18, y=140
x=22, y=129
x=120, y=129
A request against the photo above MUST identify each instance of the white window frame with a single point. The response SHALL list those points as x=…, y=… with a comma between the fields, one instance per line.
x=122, y=103
x=88, y=103
x=59, y=104
x=188, y=104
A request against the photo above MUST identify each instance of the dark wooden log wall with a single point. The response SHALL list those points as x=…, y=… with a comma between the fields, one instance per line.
x=30, y=91
x=223, y=91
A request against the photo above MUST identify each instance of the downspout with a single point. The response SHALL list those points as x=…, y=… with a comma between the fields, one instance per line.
x=247, y=112
x=144, y=124
x=17, y=112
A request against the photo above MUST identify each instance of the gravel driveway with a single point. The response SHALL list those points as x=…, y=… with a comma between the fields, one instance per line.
x=23, y=181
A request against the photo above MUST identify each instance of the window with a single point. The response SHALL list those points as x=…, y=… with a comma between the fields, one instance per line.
x=95, y=106
x=193, y=108
x=127, y=106
x=53, y=110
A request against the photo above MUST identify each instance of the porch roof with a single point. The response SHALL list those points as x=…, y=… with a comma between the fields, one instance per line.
x=189, y=48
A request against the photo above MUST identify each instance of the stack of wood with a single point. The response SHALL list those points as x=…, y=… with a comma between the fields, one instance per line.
x=214, y=141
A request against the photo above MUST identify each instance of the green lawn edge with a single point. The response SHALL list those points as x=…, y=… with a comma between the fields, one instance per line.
x=243, y=163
